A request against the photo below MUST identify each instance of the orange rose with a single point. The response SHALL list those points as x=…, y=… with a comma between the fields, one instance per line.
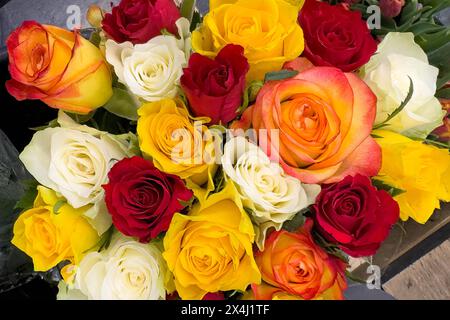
x=59, y=67
x=319, y=123
x=294, y=267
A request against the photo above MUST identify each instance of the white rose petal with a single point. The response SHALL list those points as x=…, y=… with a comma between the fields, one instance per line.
x=399, y=57
x=184, y=31
x=74, y=160
x=272, y=196
x=151, y=71
x=127, y=270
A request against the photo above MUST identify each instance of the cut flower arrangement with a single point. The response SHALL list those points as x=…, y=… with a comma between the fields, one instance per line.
x=253, y=150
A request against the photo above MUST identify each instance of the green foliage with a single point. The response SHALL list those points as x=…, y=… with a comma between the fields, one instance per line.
x=420, y=17
x=187, y=9
x=122, y=104
x=250, y=94
x=58, y=205
x=96, y=38
x=394, y=192
x=298, y=221
x=30, y=194
x=280, y=75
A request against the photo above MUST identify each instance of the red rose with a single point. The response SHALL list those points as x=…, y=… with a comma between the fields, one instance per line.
x=218, y=296
x=139, y=21
x=355, y=215
x=141, y=199
x=335, y=36
x=214, y=88
x=391, y=8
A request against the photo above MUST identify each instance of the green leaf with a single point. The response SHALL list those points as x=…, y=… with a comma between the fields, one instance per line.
x=434, y=141
x=250, y=94
x=233, y=295
x=400, y=108
x=409, y=11
x=106, y=239
x=58, y=205
x=443, y=78
x=380, y=185
x=296, y=222
x=52, y=124
x=187, y=204
x=81, y=118
x=424, y=27
x=219, y=181
x=122, y=104
x=280, y=75
x=166, y=32
x=376, y=136
x=104, y=242
x=30, y=194
x=95, y=38
x=443, y=93
x=187, y=9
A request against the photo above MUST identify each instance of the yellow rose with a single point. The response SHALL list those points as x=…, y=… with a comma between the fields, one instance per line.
x=421, y=170
x=50, y=238
x=267, y=29
x=210, y=250
x=176, y=144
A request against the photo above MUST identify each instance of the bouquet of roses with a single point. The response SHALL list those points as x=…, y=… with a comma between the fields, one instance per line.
x=252, y=151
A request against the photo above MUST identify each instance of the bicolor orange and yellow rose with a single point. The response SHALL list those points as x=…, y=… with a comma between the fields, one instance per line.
x=318, y=123
x=267, y=29
x=294, y=267
x=57, y=66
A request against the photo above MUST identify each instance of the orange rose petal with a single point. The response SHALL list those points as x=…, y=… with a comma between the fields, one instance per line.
x=67, y=36
x=365, y=160
x=364, y=112
x=82, y=51
x=245, y=122
x=264, y=291
x=22, y=92
x=57, y=65
x=338, y=89
x=300, y=64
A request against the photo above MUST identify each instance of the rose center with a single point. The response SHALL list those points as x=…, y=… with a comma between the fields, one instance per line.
x=38, y=57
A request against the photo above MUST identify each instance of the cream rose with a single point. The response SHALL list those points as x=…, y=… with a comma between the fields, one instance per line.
x=151, y=71
x=272, y=196
x=387, y=72
x=127, y=270
x=74, y=160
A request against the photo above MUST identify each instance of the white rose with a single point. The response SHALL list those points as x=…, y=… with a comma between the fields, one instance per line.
x=184, y=32
x=127, y=270
x=151, y=71
x=272, y=196
x=74, y=161
x=387, y=72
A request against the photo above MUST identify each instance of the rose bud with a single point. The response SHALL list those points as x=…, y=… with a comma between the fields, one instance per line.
x=214, y=88
x=391, y=8
x=138, y=21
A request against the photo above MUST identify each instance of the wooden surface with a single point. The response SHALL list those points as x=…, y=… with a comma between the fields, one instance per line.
x=403, y=238
x=426, y=279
